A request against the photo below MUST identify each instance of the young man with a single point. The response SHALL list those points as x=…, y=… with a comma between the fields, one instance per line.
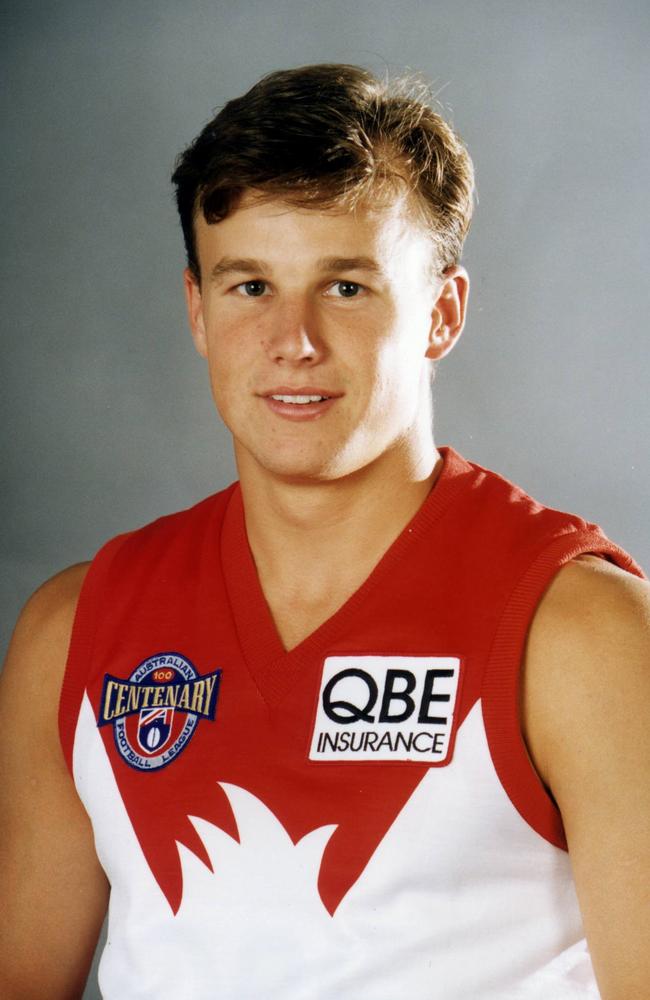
x=333, y=727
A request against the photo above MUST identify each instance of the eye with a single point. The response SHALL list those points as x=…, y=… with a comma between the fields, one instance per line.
x=251, y=289
x=345, y=289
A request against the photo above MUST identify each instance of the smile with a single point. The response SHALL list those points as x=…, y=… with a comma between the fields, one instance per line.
x=299, y=399
x=300, y=403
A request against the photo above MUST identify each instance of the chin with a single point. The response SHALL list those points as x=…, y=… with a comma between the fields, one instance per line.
x=289, y=467
x=303, y=472
x=313, y=465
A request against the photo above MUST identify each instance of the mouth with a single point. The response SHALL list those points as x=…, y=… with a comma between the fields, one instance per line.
x=300, y=403
x=297, y=400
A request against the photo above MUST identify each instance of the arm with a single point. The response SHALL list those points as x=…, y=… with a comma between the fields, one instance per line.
x=54, y=892
x=586, y=721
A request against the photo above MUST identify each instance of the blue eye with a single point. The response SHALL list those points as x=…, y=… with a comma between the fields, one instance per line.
x=252, y=289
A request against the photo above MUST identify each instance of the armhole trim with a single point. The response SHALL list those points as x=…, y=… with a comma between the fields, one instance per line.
x=500, y=697
x=80, y=651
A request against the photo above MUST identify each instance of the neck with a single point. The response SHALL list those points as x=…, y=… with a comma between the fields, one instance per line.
x=315, y=543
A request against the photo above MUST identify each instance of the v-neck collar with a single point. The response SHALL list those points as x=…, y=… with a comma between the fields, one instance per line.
x=272, y=667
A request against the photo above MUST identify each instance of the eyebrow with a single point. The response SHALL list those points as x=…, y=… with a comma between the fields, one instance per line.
x=349, y=264
x=248, y=265
x=236, y=265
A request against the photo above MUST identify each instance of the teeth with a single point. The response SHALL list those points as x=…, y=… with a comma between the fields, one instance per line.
x=299, y=399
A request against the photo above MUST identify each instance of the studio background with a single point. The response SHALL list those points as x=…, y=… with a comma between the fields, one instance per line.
x=106, y=413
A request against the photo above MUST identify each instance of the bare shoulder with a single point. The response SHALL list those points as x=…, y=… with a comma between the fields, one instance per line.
x=53, y=605
x=592, y=609
x=45, y=623
x=33, y=671
x=586, y=664
x=591, y=591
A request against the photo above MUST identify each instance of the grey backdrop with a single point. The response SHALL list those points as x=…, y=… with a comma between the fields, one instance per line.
x=106, y=412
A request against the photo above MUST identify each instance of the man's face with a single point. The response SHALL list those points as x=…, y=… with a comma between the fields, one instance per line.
x=319, y=328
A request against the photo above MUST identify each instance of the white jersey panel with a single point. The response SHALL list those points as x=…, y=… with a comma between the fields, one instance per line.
x=462, y=900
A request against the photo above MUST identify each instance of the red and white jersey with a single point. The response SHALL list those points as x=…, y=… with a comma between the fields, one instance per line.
x=354, y=819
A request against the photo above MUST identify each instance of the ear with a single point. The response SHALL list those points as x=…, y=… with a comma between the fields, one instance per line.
x=448, y=315
x=194, y=304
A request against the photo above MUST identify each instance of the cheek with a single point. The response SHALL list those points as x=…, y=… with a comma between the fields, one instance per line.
x=223, y=370
x=228, y=351
x=400, y=357
x=400, y=377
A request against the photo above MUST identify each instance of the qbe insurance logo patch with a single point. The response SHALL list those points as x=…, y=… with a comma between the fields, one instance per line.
x=386, y=708
x=155, y=712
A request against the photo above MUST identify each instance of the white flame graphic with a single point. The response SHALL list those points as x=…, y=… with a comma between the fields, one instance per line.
x=256, y=928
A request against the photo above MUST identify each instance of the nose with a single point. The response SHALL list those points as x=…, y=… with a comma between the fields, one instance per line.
x=293, y=336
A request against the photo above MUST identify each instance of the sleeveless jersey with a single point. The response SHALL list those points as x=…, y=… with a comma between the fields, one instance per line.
x=354, y=819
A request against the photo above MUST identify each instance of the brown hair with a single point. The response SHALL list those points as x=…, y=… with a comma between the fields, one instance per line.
x=329, y=136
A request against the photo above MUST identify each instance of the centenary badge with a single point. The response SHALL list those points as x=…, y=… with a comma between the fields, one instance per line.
x=155, y=712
